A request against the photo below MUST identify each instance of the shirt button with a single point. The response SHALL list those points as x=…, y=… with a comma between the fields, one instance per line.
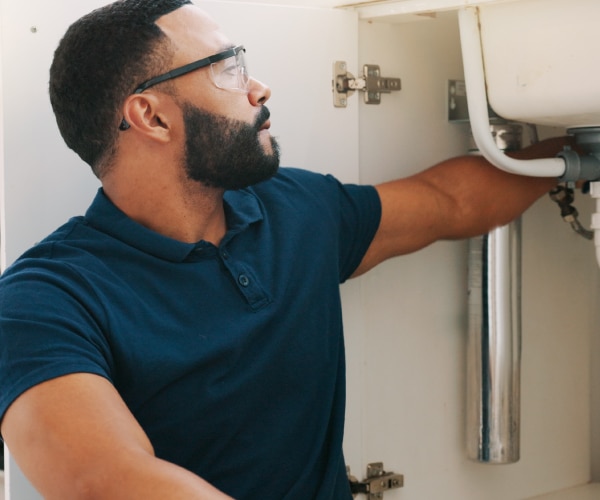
x=224, y=254
x=243, y=280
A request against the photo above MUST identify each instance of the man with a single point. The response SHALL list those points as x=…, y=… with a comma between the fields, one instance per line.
x=183, y=339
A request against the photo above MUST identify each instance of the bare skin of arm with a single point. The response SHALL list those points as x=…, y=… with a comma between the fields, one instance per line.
x=458, y=198
x=75, y=438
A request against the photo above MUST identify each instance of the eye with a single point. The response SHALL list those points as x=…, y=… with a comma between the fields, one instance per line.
x=230, y=73
x=230, y=69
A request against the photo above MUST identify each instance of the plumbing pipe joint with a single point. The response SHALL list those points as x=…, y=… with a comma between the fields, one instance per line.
x=579, y=167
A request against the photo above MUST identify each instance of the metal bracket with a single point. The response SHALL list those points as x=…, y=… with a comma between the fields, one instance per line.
x=371, y=83
x=458, y=109
x=377, y=482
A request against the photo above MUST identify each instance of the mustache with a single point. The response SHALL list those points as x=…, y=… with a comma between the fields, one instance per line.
x=263, y=115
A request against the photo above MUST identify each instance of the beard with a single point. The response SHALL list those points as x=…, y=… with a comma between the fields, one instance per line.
x=225, y=153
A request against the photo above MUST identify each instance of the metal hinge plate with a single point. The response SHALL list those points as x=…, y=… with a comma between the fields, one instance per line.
x=378, y=481
x=371, y=83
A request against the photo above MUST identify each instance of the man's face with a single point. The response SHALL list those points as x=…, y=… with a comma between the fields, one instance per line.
x=226, y=153
x=227, y=139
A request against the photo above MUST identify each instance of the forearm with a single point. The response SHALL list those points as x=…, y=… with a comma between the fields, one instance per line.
x=479, y=196
x=120, y=474
x=502, y=196
x=149, y=478
x=74, y=437
x=547, y=148
x=457, y=198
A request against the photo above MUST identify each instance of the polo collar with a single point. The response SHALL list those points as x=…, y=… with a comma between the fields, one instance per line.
x=242, y=208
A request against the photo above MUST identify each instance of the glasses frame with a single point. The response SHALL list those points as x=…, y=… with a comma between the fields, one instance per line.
x=188, y=68
x=184, y=70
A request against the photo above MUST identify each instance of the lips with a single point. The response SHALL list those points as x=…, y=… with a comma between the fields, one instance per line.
x=262, y=120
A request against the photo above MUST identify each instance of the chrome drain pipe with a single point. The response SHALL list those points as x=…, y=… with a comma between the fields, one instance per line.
x=494, y=346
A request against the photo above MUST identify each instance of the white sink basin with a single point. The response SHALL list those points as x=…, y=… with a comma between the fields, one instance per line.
x=541, y=60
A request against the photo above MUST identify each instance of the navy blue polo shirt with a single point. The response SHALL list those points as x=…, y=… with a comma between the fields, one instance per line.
x=231, y=357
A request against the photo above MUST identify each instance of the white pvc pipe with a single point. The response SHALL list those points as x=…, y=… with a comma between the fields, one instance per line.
x=478, y=108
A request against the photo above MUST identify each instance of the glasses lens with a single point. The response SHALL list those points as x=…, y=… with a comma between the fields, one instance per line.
x=231, y=73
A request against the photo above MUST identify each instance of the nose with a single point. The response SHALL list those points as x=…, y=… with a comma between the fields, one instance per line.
x=258, y=93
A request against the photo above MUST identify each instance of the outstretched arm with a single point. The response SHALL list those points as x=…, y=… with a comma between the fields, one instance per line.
x=74, y=437
x=458, y=198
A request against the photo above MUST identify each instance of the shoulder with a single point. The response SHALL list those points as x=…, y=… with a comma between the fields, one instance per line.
x=58, y=264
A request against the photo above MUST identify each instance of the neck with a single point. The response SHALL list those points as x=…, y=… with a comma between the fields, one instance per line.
x=186, y=211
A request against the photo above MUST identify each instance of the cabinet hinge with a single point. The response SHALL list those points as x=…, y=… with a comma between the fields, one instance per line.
x=371, y=83
x=378, y=481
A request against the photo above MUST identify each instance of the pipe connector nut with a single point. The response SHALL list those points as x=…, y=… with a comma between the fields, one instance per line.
x=579, y=167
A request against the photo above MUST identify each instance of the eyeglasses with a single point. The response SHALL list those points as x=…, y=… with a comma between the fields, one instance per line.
x=228, y=71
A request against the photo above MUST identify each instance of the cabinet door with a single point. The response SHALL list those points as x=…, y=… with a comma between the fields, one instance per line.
x=292, y=49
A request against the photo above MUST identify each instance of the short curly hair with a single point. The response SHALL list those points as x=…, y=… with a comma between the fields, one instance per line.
x=98, y=63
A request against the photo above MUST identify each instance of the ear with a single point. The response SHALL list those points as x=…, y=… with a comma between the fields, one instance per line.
x=149, y=115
